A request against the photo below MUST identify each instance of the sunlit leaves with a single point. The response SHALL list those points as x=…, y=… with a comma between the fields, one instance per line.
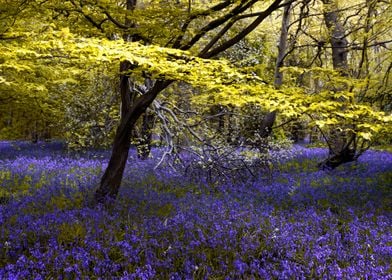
x=50, y=61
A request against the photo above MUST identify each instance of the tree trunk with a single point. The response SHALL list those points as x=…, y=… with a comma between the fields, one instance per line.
x=340, y=149
x=266, y=126
x=269, y=119
x=337, y=38
x=144, y=142
x=111, y=180
x=334, y=160
x=278, y=76
x=129, y=113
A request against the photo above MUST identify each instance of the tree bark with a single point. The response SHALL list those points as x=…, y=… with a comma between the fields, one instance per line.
x=130, y=112
x=282, y=46
x=337, y=38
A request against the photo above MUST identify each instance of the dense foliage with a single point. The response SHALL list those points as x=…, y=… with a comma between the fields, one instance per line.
x=56, y=55
x=307, y=223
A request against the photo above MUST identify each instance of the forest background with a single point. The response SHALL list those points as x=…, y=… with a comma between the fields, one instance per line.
x=205, y=77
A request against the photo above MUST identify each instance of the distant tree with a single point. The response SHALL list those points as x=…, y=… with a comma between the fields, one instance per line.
x=328, y=56
x=344, y=143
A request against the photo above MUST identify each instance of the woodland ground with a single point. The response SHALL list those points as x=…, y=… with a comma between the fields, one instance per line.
x=305, y=224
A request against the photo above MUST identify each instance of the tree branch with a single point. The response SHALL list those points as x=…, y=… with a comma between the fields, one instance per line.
x=243, y=6
x=216, y=8
x=274, y=6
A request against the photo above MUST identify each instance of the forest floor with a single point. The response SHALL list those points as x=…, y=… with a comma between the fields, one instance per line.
x=305, y=223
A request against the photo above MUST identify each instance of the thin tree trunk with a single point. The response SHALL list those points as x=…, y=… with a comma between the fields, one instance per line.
x=282, y=46
x=144, y=136
x=145, y=140
x=270, y=117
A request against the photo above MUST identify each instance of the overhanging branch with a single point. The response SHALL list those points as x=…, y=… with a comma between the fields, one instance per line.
x=274, y=6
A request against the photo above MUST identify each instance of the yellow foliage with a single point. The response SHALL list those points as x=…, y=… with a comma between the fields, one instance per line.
x=46, y=63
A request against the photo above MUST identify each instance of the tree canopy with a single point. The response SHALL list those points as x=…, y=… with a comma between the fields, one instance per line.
x=48, y=48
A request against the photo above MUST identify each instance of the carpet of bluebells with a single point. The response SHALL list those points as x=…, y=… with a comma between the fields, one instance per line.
x=303, y=224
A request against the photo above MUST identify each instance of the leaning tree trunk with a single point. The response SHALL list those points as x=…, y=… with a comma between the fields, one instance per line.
x=111, y=180
x=131, y=109
x=112, y=177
